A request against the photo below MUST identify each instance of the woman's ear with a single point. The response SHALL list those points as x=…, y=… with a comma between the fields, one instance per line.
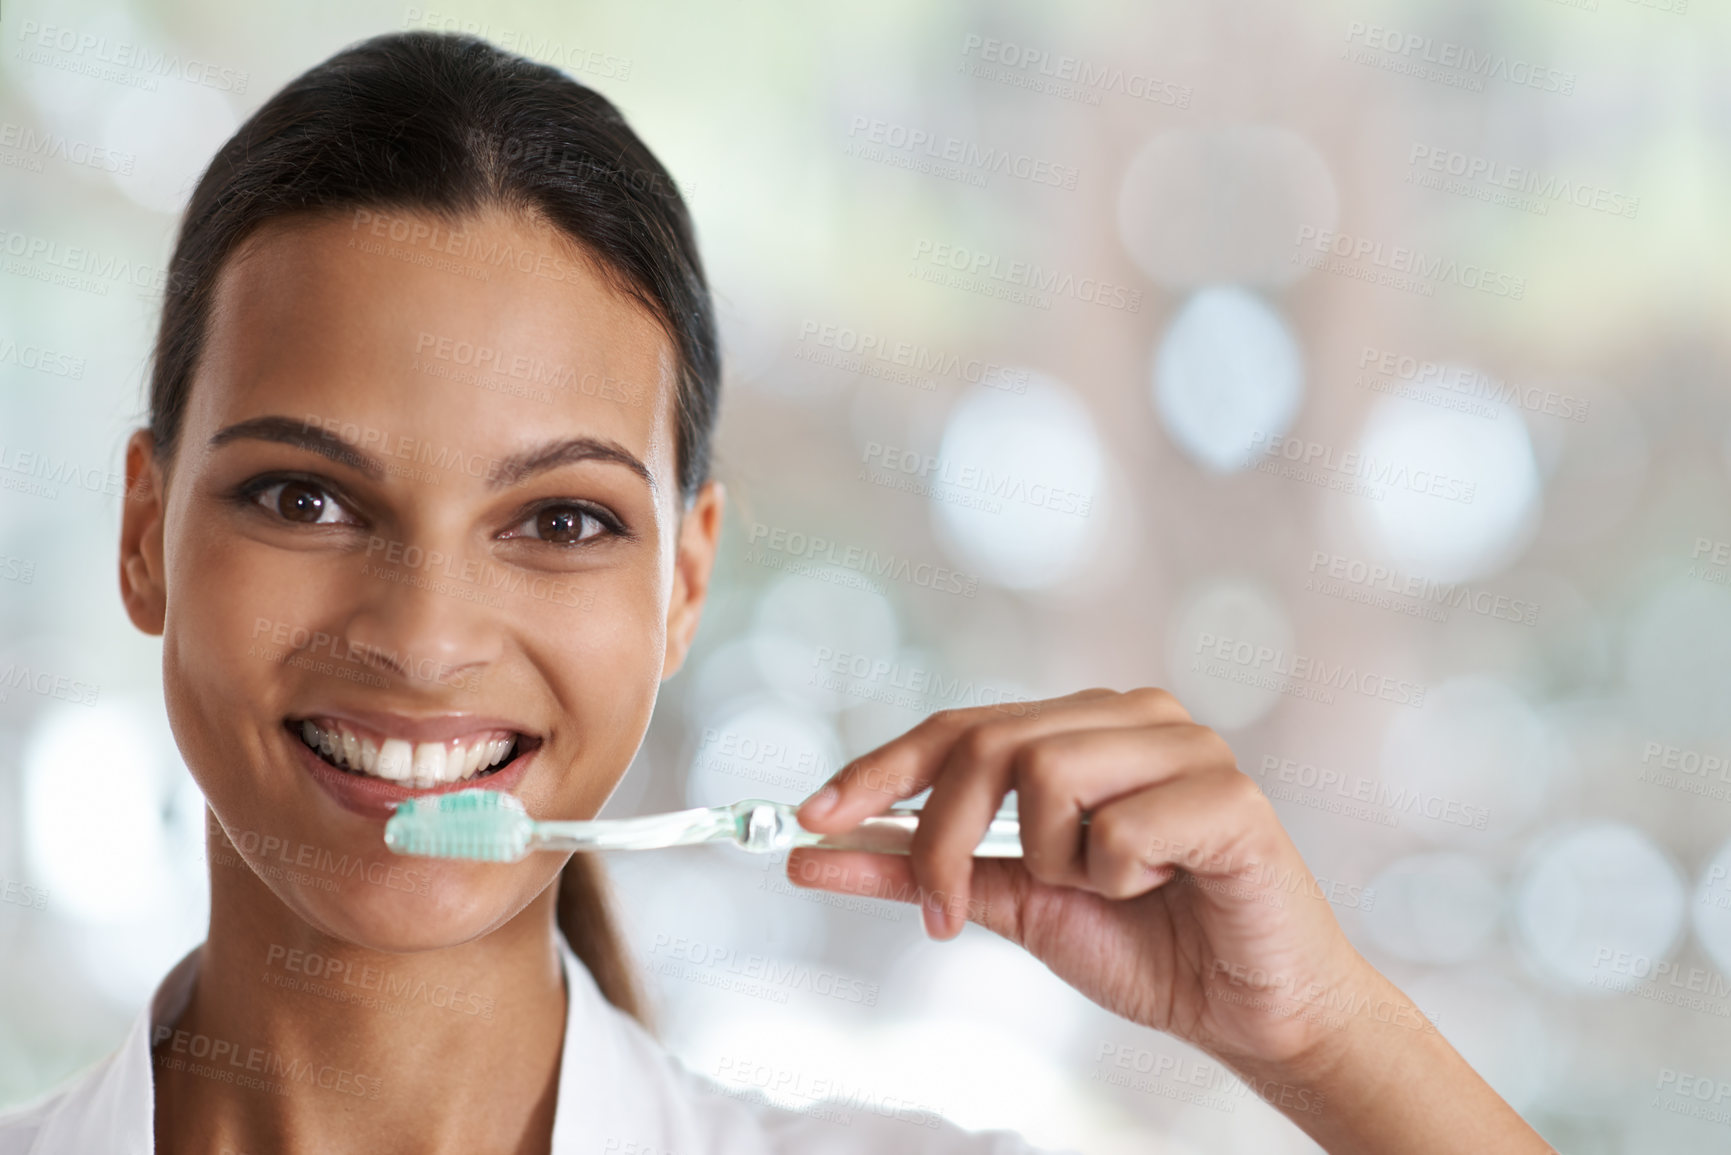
x=142, y=582
x=693, y=562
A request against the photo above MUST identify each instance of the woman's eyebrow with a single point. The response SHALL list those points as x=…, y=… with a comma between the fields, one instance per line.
x=521, y=466
x=501, y=474
x=303, y=435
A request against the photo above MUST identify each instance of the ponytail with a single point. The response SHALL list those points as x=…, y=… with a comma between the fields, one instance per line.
x=585, y=916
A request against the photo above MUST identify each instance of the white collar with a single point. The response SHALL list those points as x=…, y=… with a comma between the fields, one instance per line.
x=620, y=1093
x=111, y=1107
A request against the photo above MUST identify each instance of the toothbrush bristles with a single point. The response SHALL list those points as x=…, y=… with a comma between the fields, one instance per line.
x=482, y=825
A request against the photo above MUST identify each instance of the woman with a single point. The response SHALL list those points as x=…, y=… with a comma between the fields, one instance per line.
x=422, y=504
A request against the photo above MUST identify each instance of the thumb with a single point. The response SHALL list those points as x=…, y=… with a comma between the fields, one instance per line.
x=997, y=891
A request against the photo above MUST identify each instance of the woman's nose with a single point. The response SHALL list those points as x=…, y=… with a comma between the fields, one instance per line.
x=417, y=617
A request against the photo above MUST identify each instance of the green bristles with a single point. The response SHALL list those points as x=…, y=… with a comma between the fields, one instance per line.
x=479, y=824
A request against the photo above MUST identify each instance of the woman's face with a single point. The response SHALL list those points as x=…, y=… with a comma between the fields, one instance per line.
x=424, y=516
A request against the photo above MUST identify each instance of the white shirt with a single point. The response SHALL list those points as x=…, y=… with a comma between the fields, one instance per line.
x=620, y=1093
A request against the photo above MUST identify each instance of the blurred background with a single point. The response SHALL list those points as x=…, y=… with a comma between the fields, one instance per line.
x=1351, y=369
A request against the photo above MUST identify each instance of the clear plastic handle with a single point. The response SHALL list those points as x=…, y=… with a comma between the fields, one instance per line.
x=768, y=826
x=893, y=834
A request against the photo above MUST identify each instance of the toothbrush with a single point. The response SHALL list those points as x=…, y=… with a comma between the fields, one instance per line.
x=489, y=826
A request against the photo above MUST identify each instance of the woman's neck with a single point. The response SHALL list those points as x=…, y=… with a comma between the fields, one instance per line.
x=294, y=1041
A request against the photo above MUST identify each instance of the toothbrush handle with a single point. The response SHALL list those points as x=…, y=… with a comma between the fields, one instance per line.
x=893, y=834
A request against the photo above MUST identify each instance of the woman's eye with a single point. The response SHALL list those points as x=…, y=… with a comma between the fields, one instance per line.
x=303, y=502
x=561, y=525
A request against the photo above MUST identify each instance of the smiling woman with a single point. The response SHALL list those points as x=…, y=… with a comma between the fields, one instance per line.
x=467, y=584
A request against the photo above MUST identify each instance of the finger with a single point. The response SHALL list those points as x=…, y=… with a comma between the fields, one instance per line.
x=1215, y=825
x=1000, y=884
x=1059, y=777
x=975, y=774
x=906, y=765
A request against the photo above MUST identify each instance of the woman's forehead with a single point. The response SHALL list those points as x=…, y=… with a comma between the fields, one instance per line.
x=324, y=316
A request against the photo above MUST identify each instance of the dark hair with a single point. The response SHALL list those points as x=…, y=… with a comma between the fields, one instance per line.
x=448, y=125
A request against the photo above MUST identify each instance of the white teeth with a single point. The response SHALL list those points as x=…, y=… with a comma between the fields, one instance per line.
x=396, y=760
x=419, y=764
x=429, y=766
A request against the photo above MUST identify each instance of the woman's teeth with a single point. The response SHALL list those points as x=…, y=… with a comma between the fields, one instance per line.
x=418, y=764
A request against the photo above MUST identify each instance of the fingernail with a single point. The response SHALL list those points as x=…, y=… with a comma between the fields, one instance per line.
x=934, y=917
x=822, y=802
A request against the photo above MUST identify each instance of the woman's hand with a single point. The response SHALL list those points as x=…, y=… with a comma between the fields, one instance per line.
x=1180, y=903
x=1180, y=887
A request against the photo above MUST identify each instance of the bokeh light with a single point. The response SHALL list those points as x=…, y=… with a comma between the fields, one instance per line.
x=1018, y=488
x=1459, y=496
x=1228, y=370
x=1591, y=896
x=1204, y=205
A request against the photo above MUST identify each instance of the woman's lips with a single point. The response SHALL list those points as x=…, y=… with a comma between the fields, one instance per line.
x=378, y=798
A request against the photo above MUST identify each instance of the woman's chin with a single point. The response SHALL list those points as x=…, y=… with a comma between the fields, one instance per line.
x=438, y=908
